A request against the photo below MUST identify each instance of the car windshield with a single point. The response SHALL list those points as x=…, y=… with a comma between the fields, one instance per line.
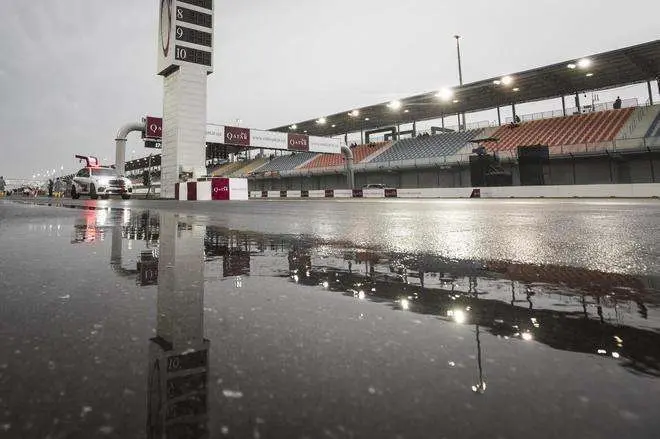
x=104, y=172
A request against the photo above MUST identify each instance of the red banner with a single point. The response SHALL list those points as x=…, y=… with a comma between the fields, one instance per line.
x=192, y=191
x=154, y=128
x=220, y=189
x=298, y=142
x=237, y=136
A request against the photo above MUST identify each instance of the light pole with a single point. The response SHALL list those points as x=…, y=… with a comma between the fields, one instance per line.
x=460, y=76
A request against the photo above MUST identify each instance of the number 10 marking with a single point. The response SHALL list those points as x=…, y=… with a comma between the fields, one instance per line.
x=181, y=53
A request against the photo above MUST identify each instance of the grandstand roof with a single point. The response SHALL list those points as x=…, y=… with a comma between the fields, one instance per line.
x=616, y=68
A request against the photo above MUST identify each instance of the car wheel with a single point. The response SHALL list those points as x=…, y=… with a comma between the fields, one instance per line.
x=92, y=192
x=125, y=197
x=74, y=193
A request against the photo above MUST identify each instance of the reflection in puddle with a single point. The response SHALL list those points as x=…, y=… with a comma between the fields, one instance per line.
x=179, y=354
x=317, y=329
x=567, y=308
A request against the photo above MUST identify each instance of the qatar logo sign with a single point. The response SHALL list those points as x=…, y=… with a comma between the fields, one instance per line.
x=237, y=136
x=220, y=189
x=298, y=142
x=154, y=127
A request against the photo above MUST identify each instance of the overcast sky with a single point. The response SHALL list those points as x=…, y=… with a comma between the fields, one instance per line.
x=73, y=71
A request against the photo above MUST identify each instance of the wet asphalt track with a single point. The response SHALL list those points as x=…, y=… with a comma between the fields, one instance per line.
x=345, y=319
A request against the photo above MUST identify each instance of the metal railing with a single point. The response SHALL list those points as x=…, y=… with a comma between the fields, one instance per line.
x=590, y=108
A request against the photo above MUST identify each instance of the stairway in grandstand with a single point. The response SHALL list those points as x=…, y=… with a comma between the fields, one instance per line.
x=360, y=153
x=580, y=129
x=654, y=128
x=445, y=144
x=639, y=123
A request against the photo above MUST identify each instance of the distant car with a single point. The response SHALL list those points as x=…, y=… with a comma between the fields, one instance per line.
x=374, y=186
x=100, y=181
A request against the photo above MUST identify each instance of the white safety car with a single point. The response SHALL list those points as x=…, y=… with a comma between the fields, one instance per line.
x=100, y=181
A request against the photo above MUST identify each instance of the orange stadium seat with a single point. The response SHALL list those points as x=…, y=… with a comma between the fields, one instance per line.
x=360, y=153
x=580, y=129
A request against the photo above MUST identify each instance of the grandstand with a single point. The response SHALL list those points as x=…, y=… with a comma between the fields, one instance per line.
x=427, y=146
x=589, y=142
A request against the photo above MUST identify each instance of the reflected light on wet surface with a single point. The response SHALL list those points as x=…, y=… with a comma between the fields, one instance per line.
x=242, y=331
x=458, y=315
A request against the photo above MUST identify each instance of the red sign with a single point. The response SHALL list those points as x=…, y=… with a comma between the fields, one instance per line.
x=298, y=142
x=237, y=136
x=154, y=128
x=220, y=189
x=192, y=191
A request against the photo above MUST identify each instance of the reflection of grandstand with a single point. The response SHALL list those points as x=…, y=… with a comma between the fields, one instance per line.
x=567, y=308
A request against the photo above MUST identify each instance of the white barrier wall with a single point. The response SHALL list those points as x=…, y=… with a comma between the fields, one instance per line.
x=342, y=193
x=216, y=189
x=204, y=191
x=641, y=190
x=238, y=189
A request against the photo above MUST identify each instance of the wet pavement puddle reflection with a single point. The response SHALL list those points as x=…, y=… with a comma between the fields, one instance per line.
x=162, y=325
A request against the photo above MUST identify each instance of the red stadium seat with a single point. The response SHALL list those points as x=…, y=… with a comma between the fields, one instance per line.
x=360, y=153
x=580, y=129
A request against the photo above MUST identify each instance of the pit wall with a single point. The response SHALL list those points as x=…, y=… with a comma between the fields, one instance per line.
x=642, y=190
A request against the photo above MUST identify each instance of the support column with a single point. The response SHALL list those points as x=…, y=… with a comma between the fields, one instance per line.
x=499, y=116
x=563, y=105
x=443, y=121
x=184, y=126
x=513, y=111
x=650, y=92
x=414, y=129
x=120, y=144
x=349, y=166
x=577, y=102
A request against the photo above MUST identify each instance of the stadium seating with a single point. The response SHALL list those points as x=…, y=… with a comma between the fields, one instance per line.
x=445, y=144
x=286, y=162
x=227, y=169
x=249, y=167
x=360, y=153
x=587, y=128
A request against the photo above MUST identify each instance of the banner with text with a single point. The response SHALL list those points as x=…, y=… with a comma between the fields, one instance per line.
x=251, y=138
